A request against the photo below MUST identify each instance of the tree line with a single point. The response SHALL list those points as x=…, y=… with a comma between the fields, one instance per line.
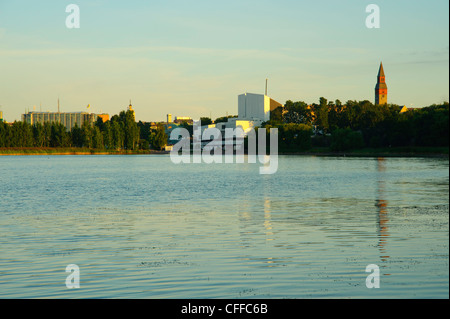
x=359, y=124
x=332, y=124
x=119, y=133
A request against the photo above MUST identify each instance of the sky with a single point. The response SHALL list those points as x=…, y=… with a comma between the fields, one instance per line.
x=193, y=58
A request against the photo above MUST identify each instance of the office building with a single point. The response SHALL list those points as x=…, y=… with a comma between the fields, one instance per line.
x=67, y=119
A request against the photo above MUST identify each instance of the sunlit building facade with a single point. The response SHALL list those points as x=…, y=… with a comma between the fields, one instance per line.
x=256, y=107
x=69, y=120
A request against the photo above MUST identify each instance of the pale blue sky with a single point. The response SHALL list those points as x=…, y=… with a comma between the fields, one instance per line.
x=193, y=58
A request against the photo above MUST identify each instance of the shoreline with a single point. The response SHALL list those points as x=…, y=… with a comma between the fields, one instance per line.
x=356, y=154
x=404, y=152
x=419, y=152
x=71, y=151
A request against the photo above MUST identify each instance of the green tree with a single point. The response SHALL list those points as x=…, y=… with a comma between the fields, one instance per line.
x=47, y=134
x=131, y=130
x=297, y=112
x=223, y=119
x=117, y=135
x=206, y=120
x=100, y=124
x=321, y=111
x=59, y=136
x=346, y=140
x=144, y=144
x=144, y=130
x=86, y=135
x=4, y=135
x=159, y=138
x=77, y=136
x=21, y=135
x=107, y=135
x=97, y=138
x=38, y=135
x=295, y=136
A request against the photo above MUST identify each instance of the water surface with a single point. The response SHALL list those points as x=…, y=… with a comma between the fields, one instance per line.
x=143, y=227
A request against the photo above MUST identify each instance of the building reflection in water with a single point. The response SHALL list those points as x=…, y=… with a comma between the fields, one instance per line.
x=250, y=229
x=382, y=204
x=268, y=224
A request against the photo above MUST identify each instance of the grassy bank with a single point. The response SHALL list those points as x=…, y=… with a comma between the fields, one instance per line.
x=70, y=151
x=317, y=151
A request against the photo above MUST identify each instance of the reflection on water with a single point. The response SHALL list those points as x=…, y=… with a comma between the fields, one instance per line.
x=382, y=204
x=142, y=227
x=267, y=219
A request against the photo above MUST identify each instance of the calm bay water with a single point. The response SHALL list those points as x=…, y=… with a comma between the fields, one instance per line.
x=143, y=227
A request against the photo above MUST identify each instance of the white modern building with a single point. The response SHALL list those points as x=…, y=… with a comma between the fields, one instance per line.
x=253, y=110
x=255, y=107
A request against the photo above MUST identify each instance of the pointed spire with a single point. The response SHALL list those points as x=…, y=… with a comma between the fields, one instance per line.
x=381, y=71
x=130, y=107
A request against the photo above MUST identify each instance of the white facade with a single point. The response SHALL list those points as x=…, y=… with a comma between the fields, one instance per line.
x=67, y=119
x=253, y=110
x=254, y=107
x=246, y=125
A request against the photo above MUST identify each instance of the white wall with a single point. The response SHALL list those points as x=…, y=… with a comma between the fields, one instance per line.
x=253, y=107
x=246, y=125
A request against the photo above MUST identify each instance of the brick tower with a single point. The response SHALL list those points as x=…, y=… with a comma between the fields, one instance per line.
x=381, y=87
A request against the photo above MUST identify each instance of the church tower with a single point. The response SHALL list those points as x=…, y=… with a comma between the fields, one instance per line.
x=130, y=108
x=381, y=87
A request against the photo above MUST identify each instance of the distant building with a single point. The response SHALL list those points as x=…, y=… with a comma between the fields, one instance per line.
x=169, y=118
x=130, y=108
x=182, y=119
x=381, y=90
x=1, y=116
x=253, y=110
x=67, y=119
x=403, y=109
x=104, y=117
x=256, y=107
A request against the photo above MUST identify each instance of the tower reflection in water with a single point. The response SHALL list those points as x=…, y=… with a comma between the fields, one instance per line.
x=382, y=209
